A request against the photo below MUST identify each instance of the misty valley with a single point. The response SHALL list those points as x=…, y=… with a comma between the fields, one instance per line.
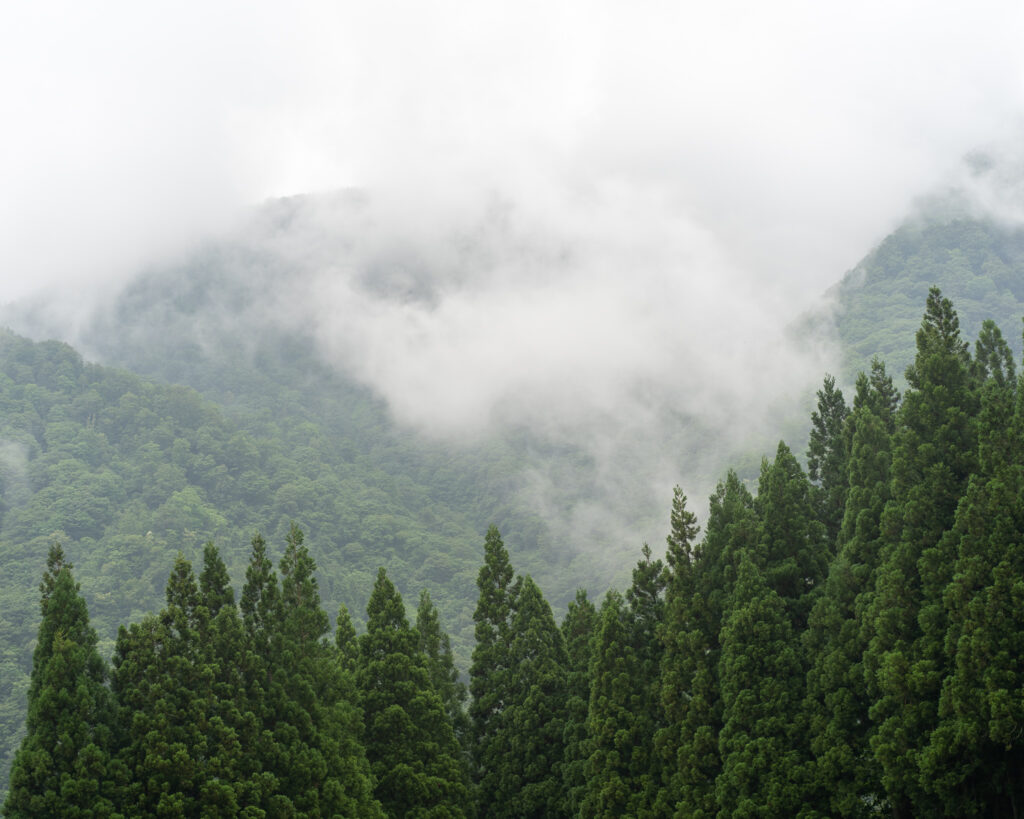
x=244, y=576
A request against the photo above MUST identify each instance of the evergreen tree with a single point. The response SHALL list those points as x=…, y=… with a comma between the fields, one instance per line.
x=678, y=632
x=975, y=755
x=410, y=742
x=608, y=791
x=530, y=778
x=826, y=458
x=693, y=624
x=647, y=614
x=934, y=453
x=345, y=639
x=846, y=780
x=762, y=685
x=792, y=542
x=578, y=630
x=62, y=766
x=320, y=763
x=162, y=693
x=490, y=674
x=444, y=676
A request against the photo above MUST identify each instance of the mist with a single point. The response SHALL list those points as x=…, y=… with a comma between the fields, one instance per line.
x=591, y=220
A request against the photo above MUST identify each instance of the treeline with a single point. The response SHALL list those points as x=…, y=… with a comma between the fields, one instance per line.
x=845, y=643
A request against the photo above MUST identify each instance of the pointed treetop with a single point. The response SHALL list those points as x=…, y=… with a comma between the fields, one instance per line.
x=214, y=584
x=684, y=530
x=55, y=561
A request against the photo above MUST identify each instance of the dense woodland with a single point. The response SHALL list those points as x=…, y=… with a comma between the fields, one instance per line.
x=844, y=642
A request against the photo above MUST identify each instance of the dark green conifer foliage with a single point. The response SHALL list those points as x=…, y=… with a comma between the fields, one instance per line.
x=578, y=629
x=681, y=635
x=792, y=542
x=410, y=743
x=163, y=696
x=530, y=780
x=608, y=791
x=490, y=677
x=826, y=458
x=975, y=756
x=934, y=453
x=62, y=766
x=321, y=765
x=762, y=685
x=647, y=614
x=345, y=639
x=693, y=626
x=845, y=780
x=444, y=676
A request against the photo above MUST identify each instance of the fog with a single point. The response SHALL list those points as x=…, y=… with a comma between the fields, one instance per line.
x=593, y=219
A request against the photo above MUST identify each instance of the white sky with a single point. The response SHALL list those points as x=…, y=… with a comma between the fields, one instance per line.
x=794, y=133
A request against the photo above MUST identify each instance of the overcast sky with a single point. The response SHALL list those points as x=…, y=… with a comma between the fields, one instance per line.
x=794, y=133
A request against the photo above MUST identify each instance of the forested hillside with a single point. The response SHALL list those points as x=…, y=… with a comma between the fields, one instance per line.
x=845, y=642
x=126, y=473
x=977, y=262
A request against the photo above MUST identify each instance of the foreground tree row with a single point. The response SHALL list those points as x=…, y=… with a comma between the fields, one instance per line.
x=844, y=643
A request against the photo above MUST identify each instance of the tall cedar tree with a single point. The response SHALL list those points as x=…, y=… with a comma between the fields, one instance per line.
x=975, y=757
x=609, y=791
x=491, y=684
x=647, y=611
x=934, y=453
x=444, y=676
x=163, y=691
x=762, y=681
x=792, y=542
x=61, y=768
x=411, y=746
x=732, y=528
x=529, y=780
x=826, y=458
x=628, y=706
x=315, y=724
x=578, y=629
x=681, y=636
x=846, y=780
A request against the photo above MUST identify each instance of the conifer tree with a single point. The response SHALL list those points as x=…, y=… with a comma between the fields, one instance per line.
x=934, y=453
x=647, y=613
x=608, y=791
x=679, y=631
x=846, y=780
x=761, y=680
x=975, y=755
x=695, y=623
x=411, y=746
x=578, y=630
x=530, y=780
x=826, y=458
x=63, y=765
x=162, y=693
x=444, y=676
x=321, y=765
x=490, y=675
x=792, y=542
x=345, y=639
